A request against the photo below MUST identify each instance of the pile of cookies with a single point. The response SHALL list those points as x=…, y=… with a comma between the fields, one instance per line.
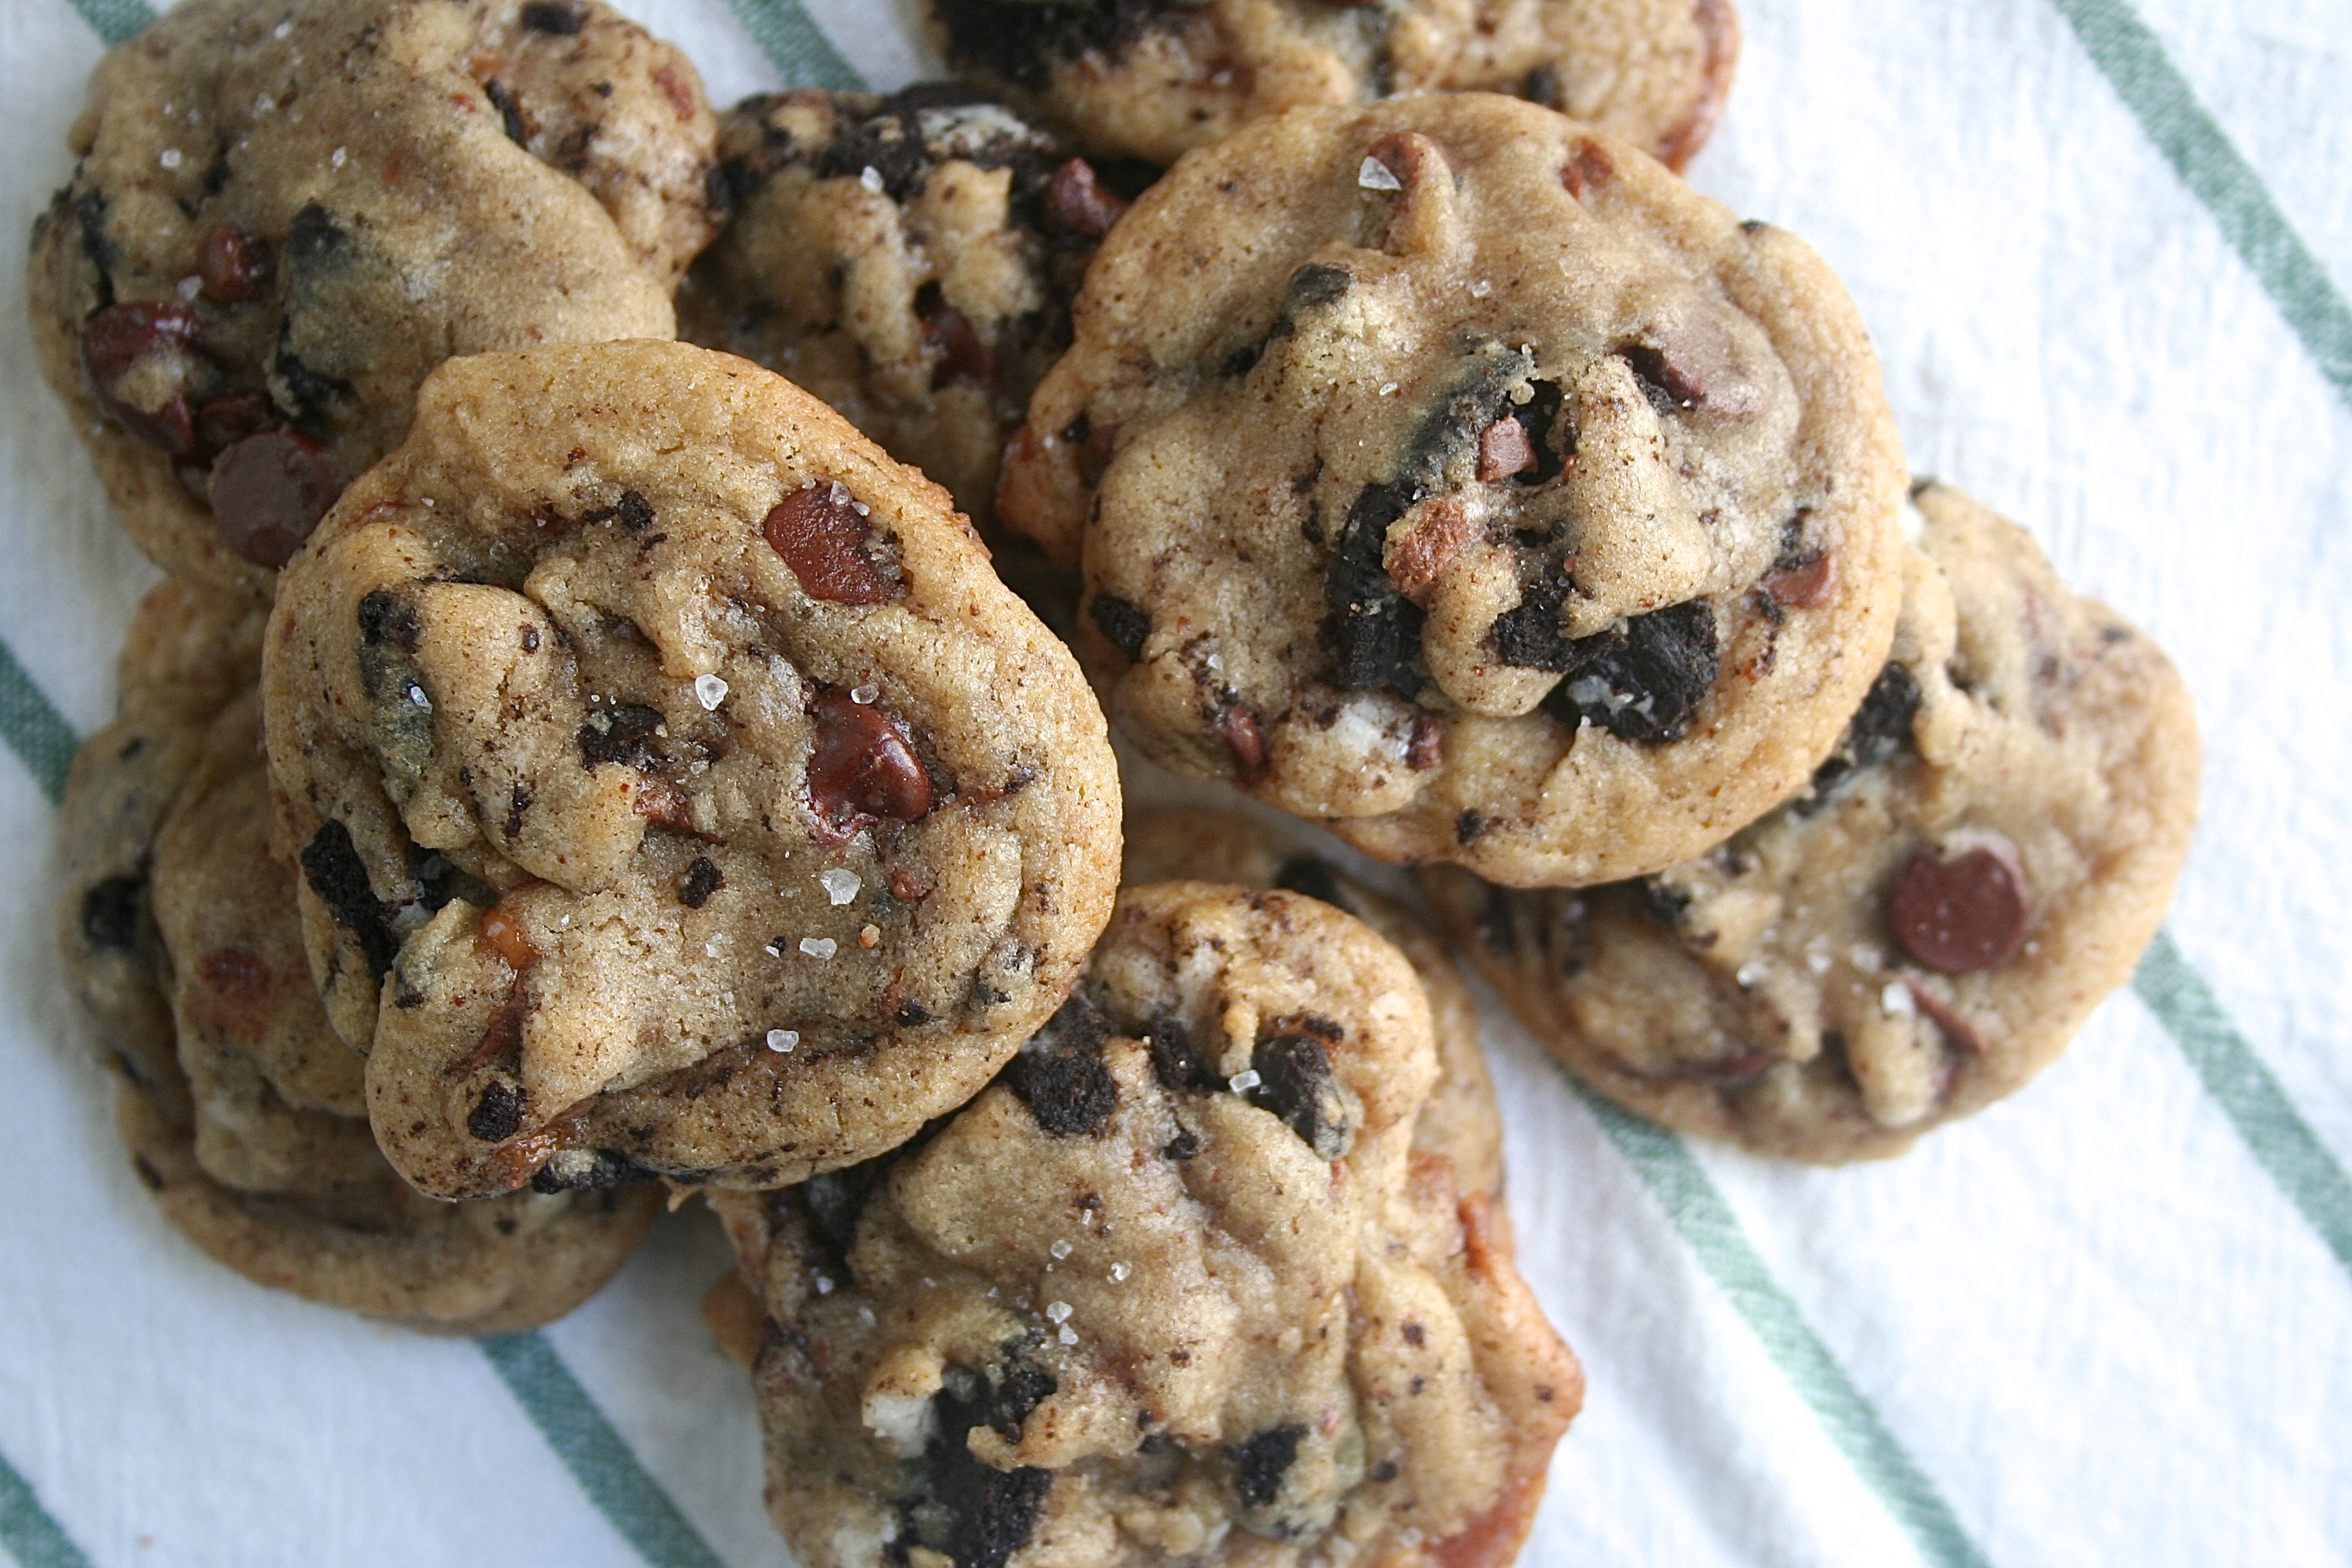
x=569, y=766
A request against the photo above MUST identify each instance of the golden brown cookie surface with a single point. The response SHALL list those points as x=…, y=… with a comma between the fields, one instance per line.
x=1176, y=1288
x=677, y=789
x=1457, y=477
x=1925, y=927
x=281, y=220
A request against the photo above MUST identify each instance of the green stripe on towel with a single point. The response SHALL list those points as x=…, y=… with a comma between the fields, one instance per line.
x=1705, y=1222
x=599, y=1458
x=115, y=20
x=2275, y=1133
x=34, y=730
x=2132, y=59
x=31, y=1536
x=796, y=46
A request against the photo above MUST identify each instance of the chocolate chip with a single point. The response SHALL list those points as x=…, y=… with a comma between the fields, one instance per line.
x=552, y=16
x=1125, y=625
x=964, y=353
x=622, y=734
x=119, y=338
x=109, y=912
x=223, y=421
x=861, y=766
x=497, y=1116
x=578, y=1170
x=1961, y=915
x=336, y=876
x=1076, y=203
x=1260, y=1463
x=830, y=547
x=229, y=266
x=1805, y=585
x=1504, y=449
x=1294, y=1083
x=1313, y=877
x=1589, y=167
x=1175, y=1061
x=702, y=880
x=269, y=490
x=1061, y=1077
x=1643, y=681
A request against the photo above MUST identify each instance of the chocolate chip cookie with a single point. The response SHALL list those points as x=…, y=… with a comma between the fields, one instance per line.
x=1456, y=477
x=1177, y=1288
x=1923, y=927
x=909, y=259
x=1460, y=1121
x=282, y=217
x=676, y=789
x=245, y=1114
x=1154, y=78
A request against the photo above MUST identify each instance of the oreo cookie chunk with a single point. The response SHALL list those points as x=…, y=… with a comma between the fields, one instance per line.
x=244, y=1112
x=1179, y=1287
x=280, y=220
x=1924, y=926
x=1154, y=78
x=1460, y=1120
x=1457, y=477
x=675, y=787
x=909, y=259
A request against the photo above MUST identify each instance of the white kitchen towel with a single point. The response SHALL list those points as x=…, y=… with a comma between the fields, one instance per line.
x=2107, y=1321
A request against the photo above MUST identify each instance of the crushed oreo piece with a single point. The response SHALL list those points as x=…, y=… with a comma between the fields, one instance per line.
x=109, y=912
x=1060, y=1074
x=1125, y=625
x=333, y=867
x=1261, y=1462
x=1296, y=1083
x=1642, y=681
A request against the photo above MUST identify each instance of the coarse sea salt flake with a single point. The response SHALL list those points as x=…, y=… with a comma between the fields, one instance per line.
x=1374, y=175
x=1060, y=1249
x=709, y=690
x=170, y=157
x=840, y=884
x=782, y=1039
x=1058, y=1311
x=1070, y=1336
x=818, y=946
x=863, y=696
x=871, y=178
x=1245, y=1080
x=1896, y=999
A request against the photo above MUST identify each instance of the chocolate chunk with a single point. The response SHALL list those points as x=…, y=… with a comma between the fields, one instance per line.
x=1294, y=1082
x=269, y=490
x=831, y=548
x=702, y=880
x=1589, y=167
x=229, y=266
x=109, y=912
x=1060, y=1074
x=1124, y=624
x=1076, y=203
x=1805, y=584
x=976, y=1515
x=1643, y=681
x=575, y=1170
x=1440, y=534
x=1238, y=724
x=1175, y=1061
x=497, y=1116
x=622, y=734
x=1314, y=877
x=120, y=338
x=1260, y=1463
x=861, y=766
x=552, y=16
x=336, y=876
x=1663, y=383
x=1961, y=915
x=910, y=1015
x=1504, y=449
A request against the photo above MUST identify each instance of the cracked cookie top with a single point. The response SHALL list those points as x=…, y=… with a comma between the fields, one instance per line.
x=1456, y=476
x=676, y=789
x=1460, y=1120
x=1154, y=78
x=1921, y=930
x=244, y=1112
x=909, y=259
x=281, y=218
x=1176, y=1288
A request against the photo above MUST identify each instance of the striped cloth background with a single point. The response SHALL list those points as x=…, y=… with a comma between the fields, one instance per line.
x=2108, y=1322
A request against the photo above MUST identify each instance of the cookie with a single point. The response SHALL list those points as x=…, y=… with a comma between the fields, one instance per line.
x=1457, y=477
x=244, y=1113
x=909, y=259
x=1154, y=78
x=1176, y=1288
x=676, y=789
x=1460, y=1120
x=281, y=218
x=1926, y=926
